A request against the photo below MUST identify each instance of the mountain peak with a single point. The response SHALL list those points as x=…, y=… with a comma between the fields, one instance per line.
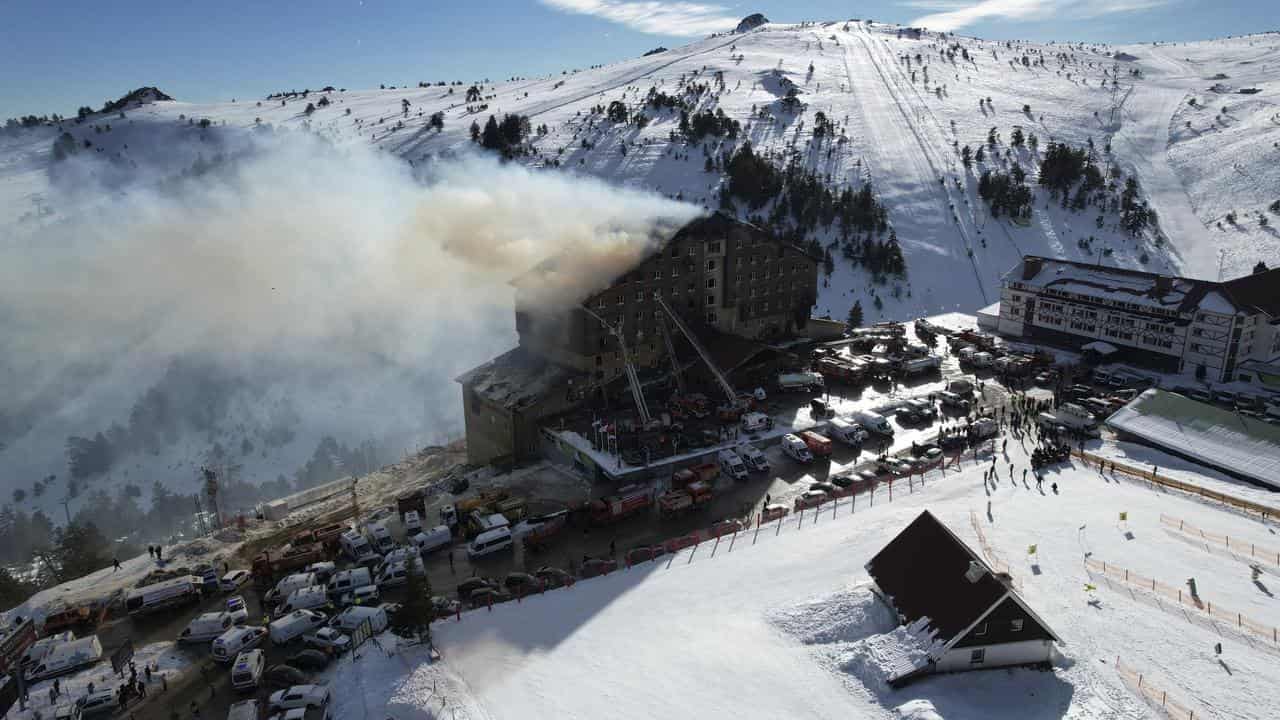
x=141, y=96
x=751, y=22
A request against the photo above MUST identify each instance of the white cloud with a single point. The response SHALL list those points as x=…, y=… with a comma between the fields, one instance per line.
x=652, y=16
x=954, y=17
x=985, y=10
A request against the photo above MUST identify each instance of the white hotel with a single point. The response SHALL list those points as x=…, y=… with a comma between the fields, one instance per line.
x=1170, y=324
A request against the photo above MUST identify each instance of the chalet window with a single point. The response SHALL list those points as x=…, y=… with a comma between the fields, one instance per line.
x=977, y=657
x=1016, y=625
x=980, y=630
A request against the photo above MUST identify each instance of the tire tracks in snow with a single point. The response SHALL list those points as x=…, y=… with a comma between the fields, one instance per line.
x=926, y=151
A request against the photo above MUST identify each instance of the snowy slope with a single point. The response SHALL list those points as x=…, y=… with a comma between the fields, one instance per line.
x=898, y=133
x=891, y=128
x=785, y=626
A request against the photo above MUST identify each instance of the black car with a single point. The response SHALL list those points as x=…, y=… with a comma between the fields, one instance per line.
x=283, y=676
x=470, y=585
x=309, y=660
x=521, y=580
x=841, y=481
x=553, y=577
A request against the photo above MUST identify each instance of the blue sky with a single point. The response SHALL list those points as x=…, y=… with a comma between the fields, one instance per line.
x=56, y=56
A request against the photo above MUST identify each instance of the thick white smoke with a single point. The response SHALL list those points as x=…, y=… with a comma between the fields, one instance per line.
x=330, y=270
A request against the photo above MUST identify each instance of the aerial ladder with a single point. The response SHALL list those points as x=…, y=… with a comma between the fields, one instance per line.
x=671, y=353
x=734, y=406
x=632, y=379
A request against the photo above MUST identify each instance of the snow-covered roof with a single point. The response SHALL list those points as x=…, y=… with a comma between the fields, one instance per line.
x=1214, y=436
x=1101, y=347
x=1108, y=283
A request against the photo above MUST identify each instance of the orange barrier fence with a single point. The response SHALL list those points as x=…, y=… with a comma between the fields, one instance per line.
x=1185, y=597
x=1238, y=546
x=1154, y=696
x=1239, y=503
x=992, y=557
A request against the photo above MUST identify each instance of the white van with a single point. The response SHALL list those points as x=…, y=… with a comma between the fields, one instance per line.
x=206, y=627
x=164, y=594
x=731, y=465
x=308, y=598
x=246, y=671
x=397, y=573
x=412, y=523
x=323, y=570
x=65, y=658
x=753, y=458
x=344, y=581
x=356, y=546
x=348, y=620
x=433, y=539
x=235, y=641
x=245, y=710
x=755, y=422
x=849, y=433
x=288, y=584
x=295, y=625
x=380, y=537
x=489, y=541
x=873, y=422
x=794, y=448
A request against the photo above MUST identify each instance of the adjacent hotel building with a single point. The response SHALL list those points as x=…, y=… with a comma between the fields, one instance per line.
x=1172, y=324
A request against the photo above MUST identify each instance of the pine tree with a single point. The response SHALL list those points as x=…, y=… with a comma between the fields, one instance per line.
x=414, y=617
x=475, y=131
x=855, y=314
x=491, y=136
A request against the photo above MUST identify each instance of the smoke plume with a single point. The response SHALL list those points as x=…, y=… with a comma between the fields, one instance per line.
x=335, y=276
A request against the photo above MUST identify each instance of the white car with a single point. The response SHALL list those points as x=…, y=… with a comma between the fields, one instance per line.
x=299, y=696
x=233, y=580
x=399, y=555
x=367, y=596
x=327, y=639
x=237, y=610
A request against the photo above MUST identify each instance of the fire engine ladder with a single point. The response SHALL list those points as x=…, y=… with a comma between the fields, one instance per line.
x=671, y=353
x=729, y=392
x=636, y=394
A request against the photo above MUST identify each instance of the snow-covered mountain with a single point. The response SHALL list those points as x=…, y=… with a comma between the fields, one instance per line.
x=1194, y=124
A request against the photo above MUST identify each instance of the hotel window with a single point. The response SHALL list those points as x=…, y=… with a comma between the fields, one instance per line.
x=639, y=296
x=657, y=274
x=711, y=265
x=711, y=283
x=711, y=299
x=714, y=247
x=711, y=318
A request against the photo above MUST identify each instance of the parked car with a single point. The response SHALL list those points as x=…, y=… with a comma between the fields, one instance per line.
x=916, y=411
x=98, y=703
x=524, y=581
x=233, y=580
x=444, y=607
x=327, y=639
x=299, y=696
x=822, y=487
x=472, y=584
x=283, y=676
x=246, y=671
x=953, y=401
x=310, y=659
x=236, y=609
x=364, y=596
x=553, y=577
x=489, y=595
x=810, y=498
x=774, y=512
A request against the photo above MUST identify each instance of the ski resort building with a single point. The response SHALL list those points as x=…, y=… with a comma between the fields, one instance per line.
x=718, y=273
x=1171, y=324
x=731, y=283
x=964, y=615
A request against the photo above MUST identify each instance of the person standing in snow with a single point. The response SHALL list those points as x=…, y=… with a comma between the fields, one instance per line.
x=116, y=562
